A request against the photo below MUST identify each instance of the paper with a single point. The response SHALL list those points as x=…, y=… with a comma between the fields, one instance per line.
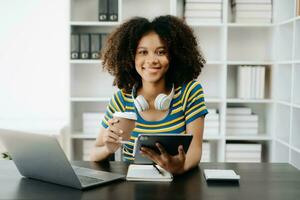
x=219, y=174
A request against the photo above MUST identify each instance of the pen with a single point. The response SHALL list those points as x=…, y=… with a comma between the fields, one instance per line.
x=160, y=172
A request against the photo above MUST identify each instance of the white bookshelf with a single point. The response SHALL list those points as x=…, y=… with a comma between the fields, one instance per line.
x=225, y=45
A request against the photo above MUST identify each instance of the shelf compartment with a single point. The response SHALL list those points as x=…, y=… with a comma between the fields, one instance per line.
x=296, y=91
x=282, y=123
x=91, y=81
x=282, y=82
x=77, y=110
x=265, y=114
x=295, y=136
x=151, y=8
x=213, y=89
x=284, y=42
x=281, y=152
x=250, y=44
x=87, y=10
x=232, y=83
x=210, y=41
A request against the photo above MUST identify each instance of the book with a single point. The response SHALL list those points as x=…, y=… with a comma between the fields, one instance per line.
x=241, y=124
x=241, y=131
x=204, y=1
x=253, y=14
x=253, y=20
x=203, y=6
x=75, y=46
x=205, y=13
x=84, y=46
x=113, y=10
x=252, y=1
x=103, y=10
x=240, y=118
x=148, y=173
x=252, y=6
x=238, y=111
x=103, y=40
x=206, y=20
x=95, y=46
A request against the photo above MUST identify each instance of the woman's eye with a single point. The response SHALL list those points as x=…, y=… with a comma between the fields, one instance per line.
x=161, y=53
x=142, y=52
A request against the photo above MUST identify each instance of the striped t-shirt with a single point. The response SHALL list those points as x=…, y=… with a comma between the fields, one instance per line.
x=187, y=105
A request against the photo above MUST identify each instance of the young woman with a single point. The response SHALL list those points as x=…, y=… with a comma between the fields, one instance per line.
x=148, y=60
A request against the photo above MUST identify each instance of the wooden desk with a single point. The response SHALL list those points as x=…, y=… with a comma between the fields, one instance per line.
x=258, y=181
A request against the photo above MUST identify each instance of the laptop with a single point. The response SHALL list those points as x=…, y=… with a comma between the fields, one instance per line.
x=41, y=157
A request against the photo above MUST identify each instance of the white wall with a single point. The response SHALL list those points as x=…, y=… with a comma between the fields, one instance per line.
x=34, y=64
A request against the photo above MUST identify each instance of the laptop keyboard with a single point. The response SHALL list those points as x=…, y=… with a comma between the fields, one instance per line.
x=86, y=180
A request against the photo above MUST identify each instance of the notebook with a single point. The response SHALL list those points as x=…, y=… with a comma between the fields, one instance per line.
x=148, y=173
x=219, y=174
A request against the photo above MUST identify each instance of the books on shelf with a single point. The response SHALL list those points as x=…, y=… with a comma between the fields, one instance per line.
x=236, y=152
x=205, y=152
x=251, y=82
x=212, y=123
x=251, y=11
x=241, y=121
x=92, y=122
x=203, y=11
x=108, y=10
x=87, y=45
x=148, y=173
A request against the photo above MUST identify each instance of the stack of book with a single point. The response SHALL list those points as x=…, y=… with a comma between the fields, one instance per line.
x=212, y=123
x=86, y=149
x=92, y=123
x=203, y=11
x=251, y=82
x=205, y=152
x=243, y=152
x=252, y=11
x=241, y=121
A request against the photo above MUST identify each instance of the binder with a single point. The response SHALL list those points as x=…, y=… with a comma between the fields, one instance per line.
x=74, y=46
x=113, y=10
x=95, y=46
x=103, y=10
x=84, y=46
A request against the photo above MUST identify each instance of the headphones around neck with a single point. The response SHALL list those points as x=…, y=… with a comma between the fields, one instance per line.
x=162, y=101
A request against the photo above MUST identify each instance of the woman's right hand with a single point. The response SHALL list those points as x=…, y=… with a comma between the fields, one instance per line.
x=111, y=137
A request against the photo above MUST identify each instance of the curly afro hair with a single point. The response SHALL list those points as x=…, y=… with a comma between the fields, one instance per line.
x=185, y=58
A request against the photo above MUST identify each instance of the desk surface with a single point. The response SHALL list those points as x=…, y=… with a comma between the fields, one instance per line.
x=258, y=181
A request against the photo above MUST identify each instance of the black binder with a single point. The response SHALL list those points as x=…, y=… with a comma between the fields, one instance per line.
x=75, y=46
x=95, y=45
x=84, y=46
x=113, y=10
x=103, y=10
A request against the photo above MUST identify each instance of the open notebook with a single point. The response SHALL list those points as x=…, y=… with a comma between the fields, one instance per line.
x=147, y=173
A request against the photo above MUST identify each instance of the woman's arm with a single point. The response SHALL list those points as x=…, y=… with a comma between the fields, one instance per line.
x=107, y=142
x=193, y=156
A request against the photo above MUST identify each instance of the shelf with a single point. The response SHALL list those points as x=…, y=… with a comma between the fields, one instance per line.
x=282, y=82
x=282, y=123
x=286, y=22
x=283, y=62
x=205, y=25
x=282, y=142
x=285, y=103
x=215, y=62
x=250, y=101
x=93, y=23
x=260, y=137
x=85, y=61
x=239, y=25
x=212, y=137
x=235, y=63
x=213, y=100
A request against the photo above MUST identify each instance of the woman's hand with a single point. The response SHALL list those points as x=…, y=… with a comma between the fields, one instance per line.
x=173, y=164
x=111, y=137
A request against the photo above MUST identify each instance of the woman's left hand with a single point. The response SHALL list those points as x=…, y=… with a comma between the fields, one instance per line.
x=173, y=164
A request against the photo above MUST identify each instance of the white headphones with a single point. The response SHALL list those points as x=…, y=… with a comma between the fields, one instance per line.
x=162, y=101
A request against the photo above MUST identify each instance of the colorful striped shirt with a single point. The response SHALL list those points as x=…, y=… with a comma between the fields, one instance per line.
x=187, y=105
